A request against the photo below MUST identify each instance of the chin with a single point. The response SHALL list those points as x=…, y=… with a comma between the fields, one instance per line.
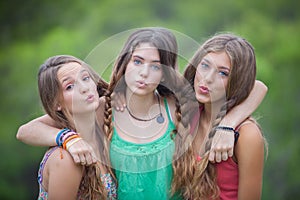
x=203, y=99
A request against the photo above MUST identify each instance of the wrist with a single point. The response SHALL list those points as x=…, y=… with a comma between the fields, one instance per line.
x=64, y=135
x=228, y=123
x=225, y=128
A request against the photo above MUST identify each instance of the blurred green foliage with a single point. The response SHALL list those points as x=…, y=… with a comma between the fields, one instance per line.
x=33, y=30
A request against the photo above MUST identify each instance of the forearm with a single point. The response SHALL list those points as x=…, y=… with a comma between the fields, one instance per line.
x=38, y=132
x=240, y=112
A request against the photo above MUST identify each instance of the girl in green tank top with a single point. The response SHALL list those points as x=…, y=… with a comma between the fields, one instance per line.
x=138, y=177
x=142, y=137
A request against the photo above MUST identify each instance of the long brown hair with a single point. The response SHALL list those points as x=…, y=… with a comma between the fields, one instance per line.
x=197, y=180
x=50, y=91
x=166, y=44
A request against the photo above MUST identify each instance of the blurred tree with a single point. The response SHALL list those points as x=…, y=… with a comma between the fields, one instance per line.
x=33, y=30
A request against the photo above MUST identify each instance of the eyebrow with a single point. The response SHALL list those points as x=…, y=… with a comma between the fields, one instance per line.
x=222, y=67
x=68, y=77
x=153, y=61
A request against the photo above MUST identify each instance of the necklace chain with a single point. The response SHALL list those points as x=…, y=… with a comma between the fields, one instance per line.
x=146, y=120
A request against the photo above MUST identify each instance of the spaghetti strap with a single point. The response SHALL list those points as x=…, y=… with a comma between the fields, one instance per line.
x=168, y=110
x=43, y=162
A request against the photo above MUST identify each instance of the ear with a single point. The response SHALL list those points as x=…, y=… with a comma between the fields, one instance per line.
x=58, y=108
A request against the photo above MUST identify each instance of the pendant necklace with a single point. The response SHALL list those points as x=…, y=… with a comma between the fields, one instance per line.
x=159, y=117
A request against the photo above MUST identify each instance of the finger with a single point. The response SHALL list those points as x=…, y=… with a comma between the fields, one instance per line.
x=82, y=159
x=88, y=158
x=94, y=157
x=113, y=101
x=211, y=156
x=230, y=152
x=119, y=103
x=224, y=156
x=122, y=99
x=76, y=158
x=218, y=156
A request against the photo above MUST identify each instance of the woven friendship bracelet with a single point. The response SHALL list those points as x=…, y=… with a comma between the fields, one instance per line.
x=71, y=142
x=69, y=139
x=225, y=128
x=60, y=135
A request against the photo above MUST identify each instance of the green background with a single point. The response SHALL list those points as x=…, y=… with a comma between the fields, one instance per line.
x=33, y=30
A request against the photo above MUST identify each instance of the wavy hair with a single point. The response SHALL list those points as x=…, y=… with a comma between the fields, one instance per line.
x=166, y=44
x=50, y=91
x=197, y=180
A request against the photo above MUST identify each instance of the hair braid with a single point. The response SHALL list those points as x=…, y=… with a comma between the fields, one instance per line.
x=177, y=115
x=183, y=150
x=224, y=109
x=204, y=182
x=108, y=118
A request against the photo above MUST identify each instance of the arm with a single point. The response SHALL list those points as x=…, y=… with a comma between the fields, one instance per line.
x=64, y=176
x=222, y=144
x=249, y=152
x=42, y=131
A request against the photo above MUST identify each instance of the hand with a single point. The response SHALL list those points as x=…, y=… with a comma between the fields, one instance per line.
x=222, y=146
x=118, y=101
x=82, y=153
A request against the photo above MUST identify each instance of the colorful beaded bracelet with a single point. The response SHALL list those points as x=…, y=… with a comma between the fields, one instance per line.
x=60, y=135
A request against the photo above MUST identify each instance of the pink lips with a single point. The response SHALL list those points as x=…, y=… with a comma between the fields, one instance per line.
x=141, y=84
x=203, y=90
x=90, y=98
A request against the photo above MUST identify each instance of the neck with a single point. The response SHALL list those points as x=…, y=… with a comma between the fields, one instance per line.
x=210, y=112
x=85, y=125
x=140, y=104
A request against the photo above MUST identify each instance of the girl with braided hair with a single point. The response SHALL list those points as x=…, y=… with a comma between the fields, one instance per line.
x=142, y=145
x=68, y=91
x=142, y=137
x=223, y=73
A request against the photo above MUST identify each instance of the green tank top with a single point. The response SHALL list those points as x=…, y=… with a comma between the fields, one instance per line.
x=144, y=171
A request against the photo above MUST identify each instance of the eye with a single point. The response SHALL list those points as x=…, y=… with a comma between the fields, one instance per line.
x=223, y=73
x=204, y=65
x=69, y=86
x=137, y=62
x=155, y=67
x=86, y=78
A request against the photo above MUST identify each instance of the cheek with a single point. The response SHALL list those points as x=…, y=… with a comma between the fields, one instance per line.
x=68, y=99
x=197, y=78
x=129, y=72
x=221, y=87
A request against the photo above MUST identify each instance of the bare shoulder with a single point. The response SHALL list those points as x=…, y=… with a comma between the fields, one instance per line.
x=62, y=159
x=62, y=175
x=250, y=138
x=250, y=131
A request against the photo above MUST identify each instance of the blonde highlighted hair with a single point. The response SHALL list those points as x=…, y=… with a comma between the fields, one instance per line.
x=194, y=179
x=50, y=91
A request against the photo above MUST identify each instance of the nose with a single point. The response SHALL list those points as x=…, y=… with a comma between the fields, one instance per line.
x=83, y=87
x=208, y=76
x=144, y=70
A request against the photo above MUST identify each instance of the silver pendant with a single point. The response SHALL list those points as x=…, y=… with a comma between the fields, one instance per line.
x=160, y=119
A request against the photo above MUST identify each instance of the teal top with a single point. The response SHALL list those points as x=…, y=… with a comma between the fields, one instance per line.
x=144, y=171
